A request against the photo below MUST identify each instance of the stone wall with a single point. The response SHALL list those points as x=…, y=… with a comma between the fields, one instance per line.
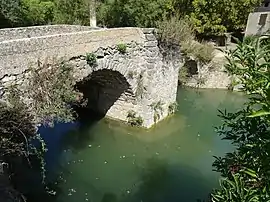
x=136, y=80
x=36, y=31
x=212, y=75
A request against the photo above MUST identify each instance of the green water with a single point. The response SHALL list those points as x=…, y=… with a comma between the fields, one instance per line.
x=109, y=161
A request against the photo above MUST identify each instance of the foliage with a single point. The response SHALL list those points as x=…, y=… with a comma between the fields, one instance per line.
x=10, y=13
x=175, y=30
x=131, y=13
x=18, y=134
x=130, y=74
x=91, y=59
x=140, y=86
x=51, y=91
x=172, y=108
x=179, y=31
x=183, y=75
x=250, y=61
x=122, y=48
x=218, y=16
x=201, y=52
x=133, y=119
x=158, y=110
x=37, y=12
x=248, y=129
x=234, y=190
x=72, y=12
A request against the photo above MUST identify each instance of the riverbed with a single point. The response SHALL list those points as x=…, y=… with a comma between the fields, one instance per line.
x=108, y=161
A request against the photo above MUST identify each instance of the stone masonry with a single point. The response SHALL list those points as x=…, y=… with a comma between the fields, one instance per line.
x=136, y=80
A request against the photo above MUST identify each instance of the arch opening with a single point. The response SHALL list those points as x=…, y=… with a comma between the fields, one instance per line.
x=104, y=89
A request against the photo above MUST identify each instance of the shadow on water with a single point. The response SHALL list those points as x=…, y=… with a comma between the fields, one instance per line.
x=161, y=182
x=57, y=139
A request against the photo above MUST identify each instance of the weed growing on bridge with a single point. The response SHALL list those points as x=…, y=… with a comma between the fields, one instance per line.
x=140, y=86
x=91, y=59
x=158, y=110
x=172, y=108
x=122, y=48
x=133, y=119
x=130, y=74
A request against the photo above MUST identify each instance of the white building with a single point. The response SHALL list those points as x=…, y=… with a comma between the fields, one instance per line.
x=259, y=21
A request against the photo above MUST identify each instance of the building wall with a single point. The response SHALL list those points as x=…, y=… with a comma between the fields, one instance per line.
x=253, y=27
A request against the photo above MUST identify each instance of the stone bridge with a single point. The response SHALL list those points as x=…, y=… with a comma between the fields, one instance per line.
x=137, y=80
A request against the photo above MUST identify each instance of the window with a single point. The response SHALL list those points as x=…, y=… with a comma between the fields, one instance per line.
x=266, y=4
x=262, y=20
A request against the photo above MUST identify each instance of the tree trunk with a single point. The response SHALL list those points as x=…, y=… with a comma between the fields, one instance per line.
x=92, y=13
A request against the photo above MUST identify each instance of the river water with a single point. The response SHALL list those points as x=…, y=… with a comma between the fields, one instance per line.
x=107, y=161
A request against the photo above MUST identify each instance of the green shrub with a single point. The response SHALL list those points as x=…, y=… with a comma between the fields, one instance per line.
x=158, y=110
x=172, y=108
x=122, y=48
x=130, y=75
x=183, y=75
x=133, y=119
x=91, y=59
x=140, y=86
x=248, y=129
x=175, y=30
x=201, y=52
x=51, y=91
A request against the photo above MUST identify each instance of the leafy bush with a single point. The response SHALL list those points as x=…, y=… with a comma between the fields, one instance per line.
x=202, y=52
x=122, y=48
x=234, y=190
x=158, y=110
x=133, y=119
x=249, y=129
x=51, y=92
x=71, y=12
x=175, y=30
x=91, y=59
x=38, y=12
x=130, y=13
x=179, y=31
x=172, y=108
x=183, y=75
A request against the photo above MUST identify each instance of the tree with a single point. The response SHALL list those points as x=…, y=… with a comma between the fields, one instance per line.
x=219, y=16
x=71, y=12
x=10, y=13
x=143, y=13
x=248, y=129
x=37, y=12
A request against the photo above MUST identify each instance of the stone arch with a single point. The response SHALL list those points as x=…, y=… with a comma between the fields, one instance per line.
x=108, y=93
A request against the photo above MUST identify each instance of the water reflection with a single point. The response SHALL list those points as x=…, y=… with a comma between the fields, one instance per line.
x=103, y=160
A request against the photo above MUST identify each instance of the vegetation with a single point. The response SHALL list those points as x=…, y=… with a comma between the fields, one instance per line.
x=130, y=74
x=20, y=145
x=91, y=59
x=140, y=86
x=158, y=110
x=183, y=75
x=172, y=108
x=215, y=17
x=51, y=91
x=179, y=31
x=246, y=170
x=209, y=17
x=133, y=119
x=122, y=48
